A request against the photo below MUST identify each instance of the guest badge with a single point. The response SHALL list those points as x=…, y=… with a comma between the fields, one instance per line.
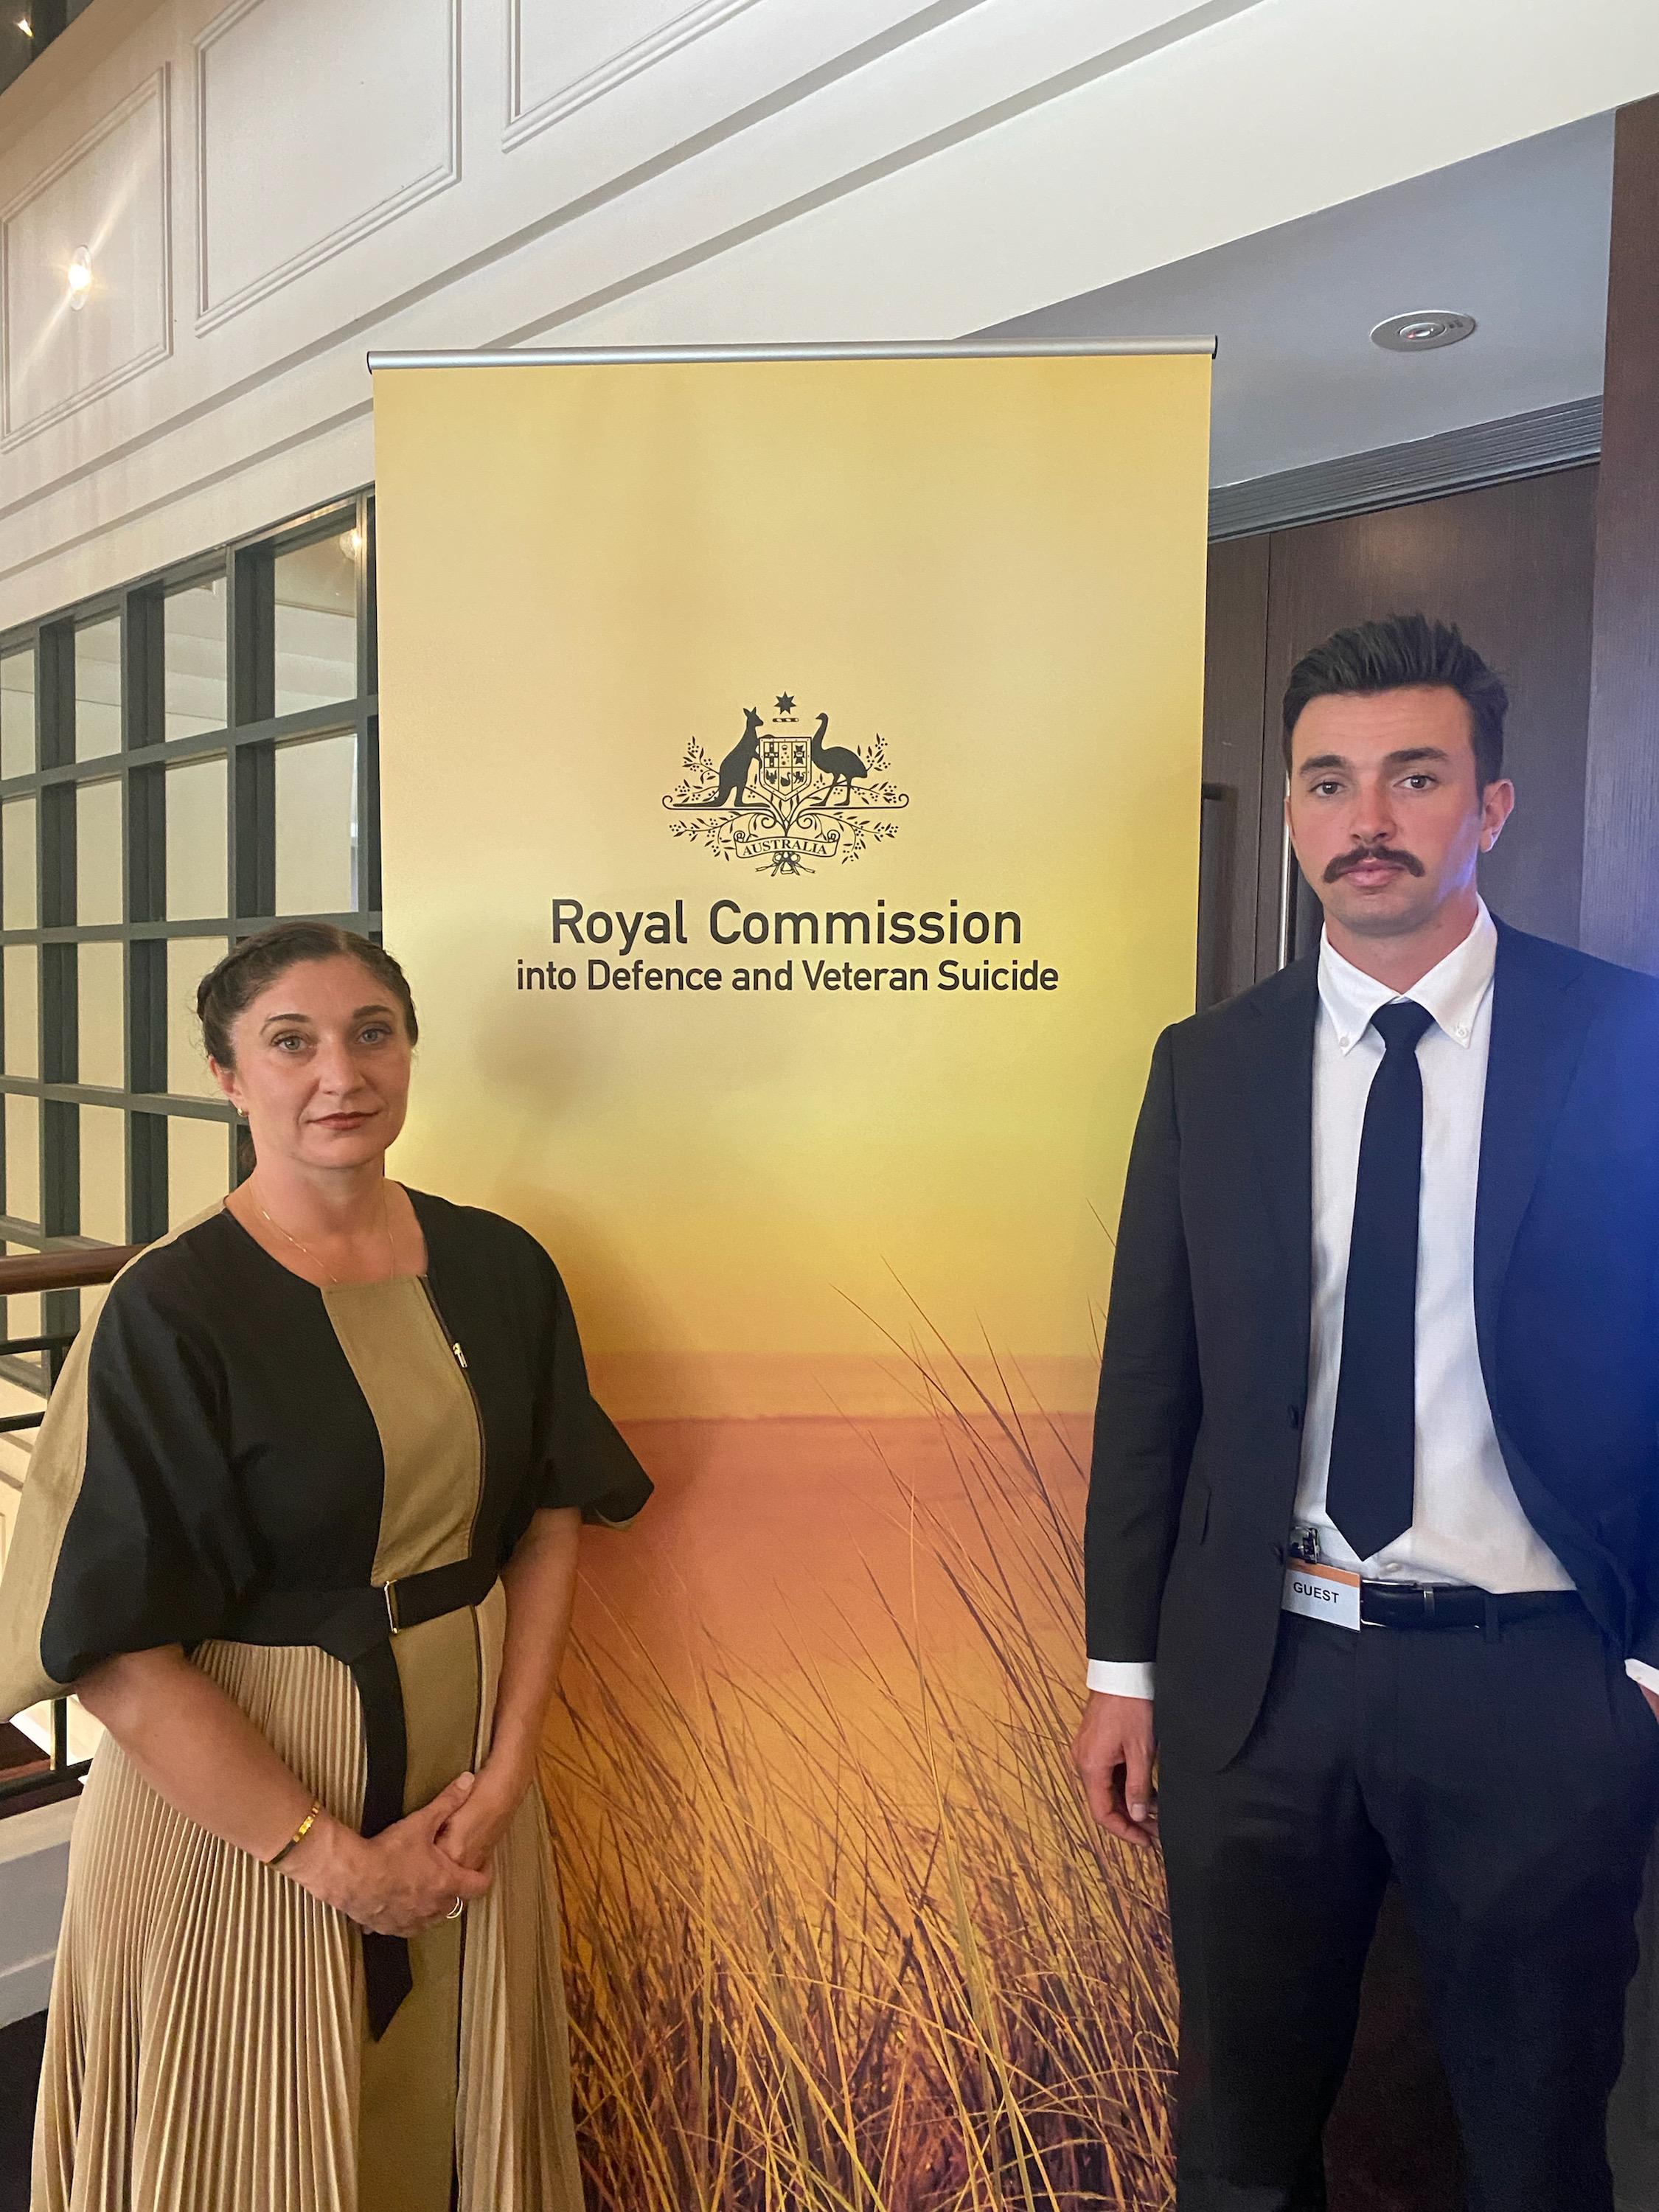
x=1317, y=1590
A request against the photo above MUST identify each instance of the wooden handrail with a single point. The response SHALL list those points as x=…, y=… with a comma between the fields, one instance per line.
x=66, y=1269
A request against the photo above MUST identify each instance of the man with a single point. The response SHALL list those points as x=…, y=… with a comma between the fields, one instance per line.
x=1376, y=1472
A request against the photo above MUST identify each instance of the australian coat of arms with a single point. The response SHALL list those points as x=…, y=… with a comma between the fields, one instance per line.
x=782, y=797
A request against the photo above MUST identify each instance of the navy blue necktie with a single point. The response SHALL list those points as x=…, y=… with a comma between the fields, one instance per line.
x=1374, y=1438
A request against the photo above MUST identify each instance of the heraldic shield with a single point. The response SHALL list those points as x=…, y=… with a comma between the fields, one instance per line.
x=785, y=764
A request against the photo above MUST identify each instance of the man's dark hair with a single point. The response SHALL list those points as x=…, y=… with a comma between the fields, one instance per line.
x=1392, y=655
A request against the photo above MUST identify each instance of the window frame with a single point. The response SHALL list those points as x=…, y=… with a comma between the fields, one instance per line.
x=248, y=743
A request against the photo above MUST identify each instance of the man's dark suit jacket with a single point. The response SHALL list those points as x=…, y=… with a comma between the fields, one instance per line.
x=1204, y=1378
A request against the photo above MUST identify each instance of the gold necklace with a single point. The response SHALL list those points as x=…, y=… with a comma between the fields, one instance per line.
x=334, y=1280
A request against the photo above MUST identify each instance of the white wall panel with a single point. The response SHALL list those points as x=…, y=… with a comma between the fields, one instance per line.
x=316, y=124
x=109, y=193
x=561, y=54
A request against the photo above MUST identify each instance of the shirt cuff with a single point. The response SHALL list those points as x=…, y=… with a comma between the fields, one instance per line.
x=1133, y=1678
x=1640, y=1671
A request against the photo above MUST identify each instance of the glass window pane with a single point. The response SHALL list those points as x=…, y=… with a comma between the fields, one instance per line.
x=17, y=714
x=17, y=900
x=104, y=1174
x=196, y=883
x=100, y=971
x=23, y=1158
x=98, y=852
x=189, y=959
x=22, y=981
x=97, y=690
x=316, y=623
x=198, y=1166
x=317, y=826
x=194, y=659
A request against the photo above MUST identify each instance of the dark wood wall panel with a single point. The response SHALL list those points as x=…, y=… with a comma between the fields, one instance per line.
x=1235, y=660
x=1621, y=915
x=1621, y=882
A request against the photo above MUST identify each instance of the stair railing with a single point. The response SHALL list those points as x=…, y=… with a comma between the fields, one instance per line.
x=62, y=1267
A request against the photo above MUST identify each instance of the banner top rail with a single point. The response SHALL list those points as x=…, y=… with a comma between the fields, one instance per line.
x=944, y=350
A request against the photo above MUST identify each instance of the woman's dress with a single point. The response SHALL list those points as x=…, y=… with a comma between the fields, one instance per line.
x=312, y=1491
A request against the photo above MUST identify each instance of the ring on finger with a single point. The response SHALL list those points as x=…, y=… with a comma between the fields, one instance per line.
x=456, y=1909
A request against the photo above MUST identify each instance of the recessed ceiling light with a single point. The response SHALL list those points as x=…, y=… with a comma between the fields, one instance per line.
x=1424, y=332
x=80, y=276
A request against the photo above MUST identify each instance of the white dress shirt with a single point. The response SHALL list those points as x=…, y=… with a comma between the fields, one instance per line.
x=1467, y=1523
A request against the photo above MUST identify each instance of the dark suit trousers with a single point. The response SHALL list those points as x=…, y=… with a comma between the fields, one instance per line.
x=1511, y=1781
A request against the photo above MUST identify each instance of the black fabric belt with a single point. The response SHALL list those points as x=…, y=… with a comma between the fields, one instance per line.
x=1454, y=1605
x=356, y=1626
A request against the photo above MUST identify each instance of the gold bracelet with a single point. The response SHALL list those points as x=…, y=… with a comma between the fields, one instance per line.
x=300, y=1834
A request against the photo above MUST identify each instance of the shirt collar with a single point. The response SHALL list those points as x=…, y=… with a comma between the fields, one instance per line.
x=1452, y=991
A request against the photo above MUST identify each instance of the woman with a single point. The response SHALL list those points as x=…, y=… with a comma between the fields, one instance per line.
x=301, y=1530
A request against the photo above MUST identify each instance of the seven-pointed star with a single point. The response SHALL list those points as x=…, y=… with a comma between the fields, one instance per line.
x=786, y=703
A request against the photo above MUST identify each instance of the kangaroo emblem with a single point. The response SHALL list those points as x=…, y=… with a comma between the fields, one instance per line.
x=739, y=764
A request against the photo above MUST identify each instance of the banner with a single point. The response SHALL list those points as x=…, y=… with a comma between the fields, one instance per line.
x=790, y=789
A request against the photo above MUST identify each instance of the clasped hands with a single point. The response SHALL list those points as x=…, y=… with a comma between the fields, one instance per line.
x=406, y=1878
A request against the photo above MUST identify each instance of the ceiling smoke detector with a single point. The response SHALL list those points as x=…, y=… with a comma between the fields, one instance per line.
x=1423, y=332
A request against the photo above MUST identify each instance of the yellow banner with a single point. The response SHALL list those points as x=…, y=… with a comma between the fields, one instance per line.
x=748, y=1067
x=790, y=790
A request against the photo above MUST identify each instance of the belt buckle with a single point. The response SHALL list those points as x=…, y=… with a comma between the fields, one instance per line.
x=1382, y=1595
x=389, y=1590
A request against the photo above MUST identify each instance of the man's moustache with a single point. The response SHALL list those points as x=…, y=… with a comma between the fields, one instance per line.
x=1346, y=862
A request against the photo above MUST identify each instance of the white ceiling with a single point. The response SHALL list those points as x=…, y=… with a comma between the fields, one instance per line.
x=1517, y=239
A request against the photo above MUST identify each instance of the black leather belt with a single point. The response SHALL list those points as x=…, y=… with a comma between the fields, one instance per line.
x=1454, y=1605
x=356, y=1626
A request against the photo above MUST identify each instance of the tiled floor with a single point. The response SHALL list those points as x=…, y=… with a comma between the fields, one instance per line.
x=19, y=2068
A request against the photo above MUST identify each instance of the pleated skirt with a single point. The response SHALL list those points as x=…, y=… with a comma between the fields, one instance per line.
x=206, y=2046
